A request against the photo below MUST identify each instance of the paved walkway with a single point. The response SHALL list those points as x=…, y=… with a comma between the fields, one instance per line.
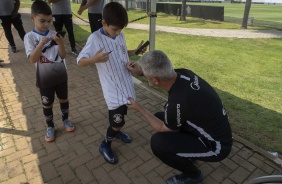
x=74, y=157
x=224, y=33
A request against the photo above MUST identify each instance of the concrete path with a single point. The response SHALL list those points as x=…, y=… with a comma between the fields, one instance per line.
x=224, y=33
x=73, y=158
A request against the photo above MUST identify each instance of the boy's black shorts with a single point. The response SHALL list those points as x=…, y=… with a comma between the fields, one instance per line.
x=48, y=94
x=116, y=116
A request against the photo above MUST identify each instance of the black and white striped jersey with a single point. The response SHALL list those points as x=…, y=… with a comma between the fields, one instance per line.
x=116, y=81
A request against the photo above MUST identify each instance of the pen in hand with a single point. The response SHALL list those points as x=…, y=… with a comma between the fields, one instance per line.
x=133, y=63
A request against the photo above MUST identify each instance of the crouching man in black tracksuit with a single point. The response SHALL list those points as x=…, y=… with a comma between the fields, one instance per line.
x=194, y=124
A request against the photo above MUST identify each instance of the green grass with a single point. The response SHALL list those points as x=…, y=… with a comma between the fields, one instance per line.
x=26, y=3
x=258, y=11
x=245, y=72
x=170, y=20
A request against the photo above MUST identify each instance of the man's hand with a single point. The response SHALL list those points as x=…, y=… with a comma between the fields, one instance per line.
x=133, y=67
x=134, y=104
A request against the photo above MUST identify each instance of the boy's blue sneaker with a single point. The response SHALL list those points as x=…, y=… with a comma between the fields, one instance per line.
x=50, y=134
x=123, y=137
x=68, y=125
x=184, y=179
x=107, y=153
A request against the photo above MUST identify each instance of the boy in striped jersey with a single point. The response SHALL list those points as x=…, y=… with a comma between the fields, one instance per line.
x=106, y=48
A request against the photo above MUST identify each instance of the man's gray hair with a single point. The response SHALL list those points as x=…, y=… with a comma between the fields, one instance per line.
x=156, y=64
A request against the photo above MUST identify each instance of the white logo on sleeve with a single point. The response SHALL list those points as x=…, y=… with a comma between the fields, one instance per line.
x=117, y=118
x=178, y=115
x=223, y=111
x=195, y=85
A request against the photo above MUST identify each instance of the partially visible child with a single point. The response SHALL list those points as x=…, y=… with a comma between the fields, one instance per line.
x=46, y=49
x=107, y=49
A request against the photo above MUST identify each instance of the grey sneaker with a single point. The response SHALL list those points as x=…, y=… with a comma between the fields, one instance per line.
x=50, y=134
x=68, y=125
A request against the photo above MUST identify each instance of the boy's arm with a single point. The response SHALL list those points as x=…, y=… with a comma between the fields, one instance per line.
x=98, y=57
x=62, y=50
x=85, y=62
x=132, y=52
x=61, y=45
x=36, y=53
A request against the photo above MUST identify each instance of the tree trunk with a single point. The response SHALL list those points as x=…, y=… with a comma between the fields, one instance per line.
x=148, y=9
x=246, y=14
x=183, y=11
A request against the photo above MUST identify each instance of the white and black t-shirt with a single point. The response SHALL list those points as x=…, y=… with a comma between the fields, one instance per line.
x=51, y=68
x=96, y=8
x=116, y=81
x=7, y=7
x=61, y=7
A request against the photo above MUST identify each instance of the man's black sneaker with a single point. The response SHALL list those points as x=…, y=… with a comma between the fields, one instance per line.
x=123, y=137
x=184, y=179
x=107, y=153
x=74, y=52
x=14, y=49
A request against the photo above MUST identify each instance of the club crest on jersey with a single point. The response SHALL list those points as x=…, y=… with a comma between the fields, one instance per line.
x=45, y=99
x=123, y=49
x=117, y=118
x=43, y=59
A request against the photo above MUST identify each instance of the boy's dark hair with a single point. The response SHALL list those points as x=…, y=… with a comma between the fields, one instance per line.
x=40, y=7
x=115, y=14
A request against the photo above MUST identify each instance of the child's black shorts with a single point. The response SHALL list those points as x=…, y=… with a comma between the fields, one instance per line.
x=48, y=94
x=116, y=116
